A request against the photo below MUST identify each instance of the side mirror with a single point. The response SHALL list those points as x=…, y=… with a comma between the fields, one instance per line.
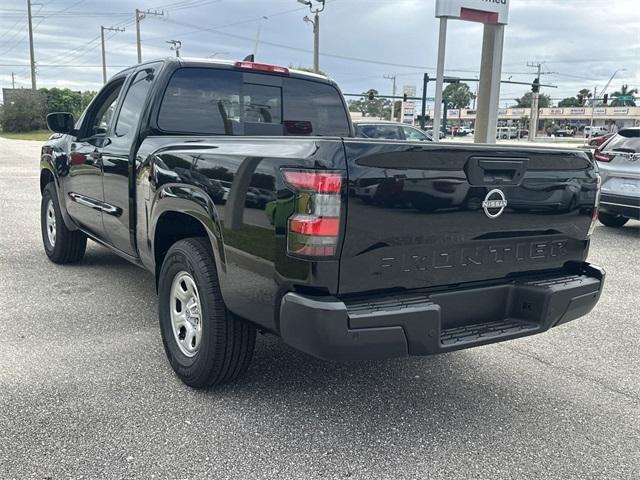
x=61, y=122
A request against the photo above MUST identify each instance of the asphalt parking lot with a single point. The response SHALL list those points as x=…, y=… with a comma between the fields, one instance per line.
x=86, y=391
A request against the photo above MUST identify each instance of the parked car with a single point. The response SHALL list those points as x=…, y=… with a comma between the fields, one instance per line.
x=565, y=132
x=333, y=276
x=506, y=133
x=598, y=141
x=390, y=131
x=441, y=134
x=619, y=165
x=594, y=131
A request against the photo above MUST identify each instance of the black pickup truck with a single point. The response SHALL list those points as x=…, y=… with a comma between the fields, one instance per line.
x=242, y=187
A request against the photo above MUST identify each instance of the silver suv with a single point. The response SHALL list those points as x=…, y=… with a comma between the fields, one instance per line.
x=619, y=162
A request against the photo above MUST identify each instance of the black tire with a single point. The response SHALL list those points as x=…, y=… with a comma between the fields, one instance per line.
x=610, y=220
x=68, y=246
x=227, y=342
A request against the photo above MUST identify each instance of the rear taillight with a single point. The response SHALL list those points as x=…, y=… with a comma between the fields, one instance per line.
x=602, y=157
x=314, y=227
x=594, y=212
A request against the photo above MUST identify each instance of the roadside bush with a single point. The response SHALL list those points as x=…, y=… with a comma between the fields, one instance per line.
x=24, y=111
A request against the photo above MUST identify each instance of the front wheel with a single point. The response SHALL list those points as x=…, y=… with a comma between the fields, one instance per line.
x=205, y=343
x=610, y=220
x=60, y=244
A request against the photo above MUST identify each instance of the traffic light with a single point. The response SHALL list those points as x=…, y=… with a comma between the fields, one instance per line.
x=404, y=97
x=371, y=94
x=605, y=99
x=535, y=86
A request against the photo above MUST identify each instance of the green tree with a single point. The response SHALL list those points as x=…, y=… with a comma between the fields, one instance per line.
x=583, y=96
x=624, y=91
x=458, y=95
x=569, y=102
x=544, y=101
x=24, y=111
x=376, y=107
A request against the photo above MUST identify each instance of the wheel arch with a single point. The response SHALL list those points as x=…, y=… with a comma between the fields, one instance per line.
x=181, y=212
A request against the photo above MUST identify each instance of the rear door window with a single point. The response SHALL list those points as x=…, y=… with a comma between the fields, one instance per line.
x=220, y=102
x=205, y=101
x=625, y=141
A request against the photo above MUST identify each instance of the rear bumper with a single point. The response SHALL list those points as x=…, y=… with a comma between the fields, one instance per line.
x=428, y=323
x=620, y=205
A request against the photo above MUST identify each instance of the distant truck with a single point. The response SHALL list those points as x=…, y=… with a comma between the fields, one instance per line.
x=238, y=186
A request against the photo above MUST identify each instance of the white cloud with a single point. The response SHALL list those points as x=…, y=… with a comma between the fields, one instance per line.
x=582, y=41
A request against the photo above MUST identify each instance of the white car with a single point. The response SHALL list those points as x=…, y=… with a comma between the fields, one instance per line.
x=590, y=131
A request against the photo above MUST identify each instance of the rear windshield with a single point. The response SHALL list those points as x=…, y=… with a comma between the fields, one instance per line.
x=221, y=102
x=624, y=141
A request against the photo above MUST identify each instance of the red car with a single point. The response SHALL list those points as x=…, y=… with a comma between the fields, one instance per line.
x=597, y=141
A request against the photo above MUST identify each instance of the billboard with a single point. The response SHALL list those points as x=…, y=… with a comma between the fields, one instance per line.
x=483, y=11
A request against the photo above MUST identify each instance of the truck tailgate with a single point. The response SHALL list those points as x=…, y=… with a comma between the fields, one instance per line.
x=428, y=215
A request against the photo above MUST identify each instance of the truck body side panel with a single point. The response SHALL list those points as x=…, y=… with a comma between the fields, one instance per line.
x=238, y=186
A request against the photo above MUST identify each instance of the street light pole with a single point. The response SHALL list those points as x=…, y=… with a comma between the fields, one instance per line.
x=255, y=47
x=175, y=45
x=316, y=29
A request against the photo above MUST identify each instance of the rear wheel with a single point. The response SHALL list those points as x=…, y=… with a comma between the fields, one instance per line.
x=205, y=343
x=60, y=244
x=610, y=220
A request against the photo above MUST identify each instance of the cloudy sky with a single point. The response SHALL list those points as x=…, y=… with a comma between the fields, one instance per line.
x=581, y=42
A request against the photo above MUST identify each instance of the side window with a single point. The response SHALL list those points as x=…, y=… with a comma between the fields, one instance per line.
x=413, y=134
x=100, y=115
x=134, y=103
x=389, y=132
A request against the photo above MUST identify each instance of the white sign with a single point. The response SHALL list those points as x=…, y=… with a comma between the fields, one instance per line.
x=600, y=111
x=453, y=112
x=624, y=110
x=408, y=107
x=556, y=111
x=484, y=11
x=577, y=111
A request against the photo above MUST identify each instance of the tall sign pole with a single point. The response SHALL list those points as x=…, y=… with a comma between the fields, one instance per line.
x=494, y=16
x=437, y=106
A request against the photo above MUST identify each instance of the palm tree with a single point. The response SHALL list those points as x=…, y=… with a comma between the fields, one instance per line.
x=624, y=91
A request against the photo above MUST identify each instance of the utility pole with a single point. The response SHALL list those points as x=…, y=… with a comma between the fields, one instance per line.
x=13, y=80
x=316, y=30
x=141, y=15
x=31, y=54
x=104, y=56
x=533, y=116
x=393, y=94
